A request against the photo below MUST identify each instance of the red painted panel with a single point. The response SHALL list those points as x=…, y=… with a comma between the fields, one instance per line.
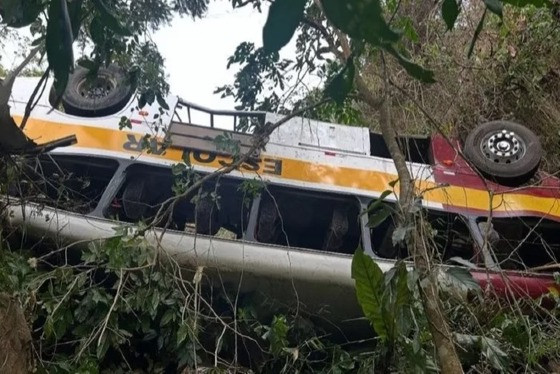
x=508, y=284
x=451, y=168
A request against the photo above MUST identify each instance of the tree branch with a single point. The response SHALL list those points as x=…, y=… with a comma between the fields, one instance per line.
x=7, y=84
x=259, y=141
x=31, y=102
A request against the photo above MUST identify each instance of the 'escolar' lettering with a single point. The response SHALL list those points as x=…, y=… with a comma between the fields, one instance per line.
x=266, y=166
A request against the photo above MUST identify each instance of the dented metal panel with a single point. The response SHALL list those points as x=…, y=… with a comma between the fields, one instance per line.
x=312, y=278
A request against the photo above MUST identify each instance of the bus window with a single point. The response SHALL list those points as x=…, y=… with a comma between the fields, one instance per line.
x=305, y=219
x=415, y=148
x=219, y=208
x=450, y=234
x=522, y=243
x=73, y=183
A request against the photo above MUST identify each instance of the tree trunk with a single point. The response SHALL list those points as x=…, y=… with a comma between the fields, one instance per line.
x=15, y=338
x=448, y=359
x=11, y=137
x=437, y=321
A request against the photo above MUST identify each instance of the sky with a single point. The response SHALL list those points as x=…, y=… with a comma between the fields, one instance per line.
x=196, y=51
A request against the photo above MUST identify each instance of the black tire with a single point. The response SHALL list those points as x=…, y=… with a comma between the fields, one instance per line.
x=108, y=93
x=504, y=151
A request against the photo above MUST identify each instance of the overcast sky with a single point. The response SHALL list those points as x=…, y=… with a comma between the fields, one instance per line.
x=196, y=51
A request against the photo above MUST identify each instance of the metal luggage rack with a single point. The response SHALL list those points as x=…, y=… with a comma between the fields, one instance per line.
x=240, y=121
x=200, y=132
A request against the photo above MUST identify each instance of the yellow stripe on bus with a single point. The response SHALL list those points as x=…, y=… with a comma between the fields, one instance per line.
x=376, y=181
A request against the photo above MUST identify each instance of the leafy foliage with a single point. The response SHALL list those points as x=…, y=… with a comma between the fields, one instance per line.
x=283, y=19
x=341, y=85
x=390, y=302
x=492, y=335
x=115, y=30
x=258, y=67
x=121, y=307
x=17, y=13
x=59, y=44
x=362, y=20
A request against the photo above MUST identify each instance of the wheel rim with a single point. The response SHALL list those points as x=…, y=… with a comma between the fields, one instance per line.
x=503, y=146
x=98, y=88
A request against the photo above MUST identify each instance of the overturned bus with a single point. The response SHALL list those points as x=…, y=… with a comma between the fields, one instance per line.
x=287, y=221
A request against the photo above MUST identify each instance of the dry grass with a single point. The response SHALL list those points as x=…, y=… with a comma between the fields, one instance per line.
x=514, y=74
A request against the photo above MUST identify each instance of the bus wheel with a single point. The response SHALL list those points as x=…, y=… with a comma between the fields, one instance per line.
x=105, y=94
x=504, y=151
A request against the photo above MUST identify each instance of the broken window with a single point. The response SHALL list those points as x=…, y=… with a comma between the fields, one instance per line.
x=305, y=219
x=522, y=243
x=415, y=148
x=73, y=183
x=447, y=231
x=219, y=208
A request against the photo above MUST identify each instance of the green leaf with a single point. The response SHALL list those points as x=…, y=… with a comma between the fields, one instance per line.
x=277, y=335
x=407, y=25
x=110, y=20
x=403, y=293
x=476, y=34
x=397, y=304
x=59, y=47
x=96, y=31
x=450, y=11
x=161, y=101
x=167, y=317
x=75, y=14
x=495, y=6
x=142, y=101
x=283, y=19
x=412, y=68
x=88, y=64
x=182, y=333
x=369, y=290
x=492, y=351
x=399, y=234
x=20, y=13
x=393, y=183
x=462, y=279
x=102, y=347
x=360, y=19
x=379, y=216
x=378, y=202
x=341, y=85
x=125, y=123
x=146, y=97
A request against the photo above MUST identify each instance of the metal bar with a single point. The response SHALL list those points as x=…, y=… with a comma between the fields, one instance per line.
x=221, y=112
x=478, y=237
x=178, y=116
x=111, y=190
